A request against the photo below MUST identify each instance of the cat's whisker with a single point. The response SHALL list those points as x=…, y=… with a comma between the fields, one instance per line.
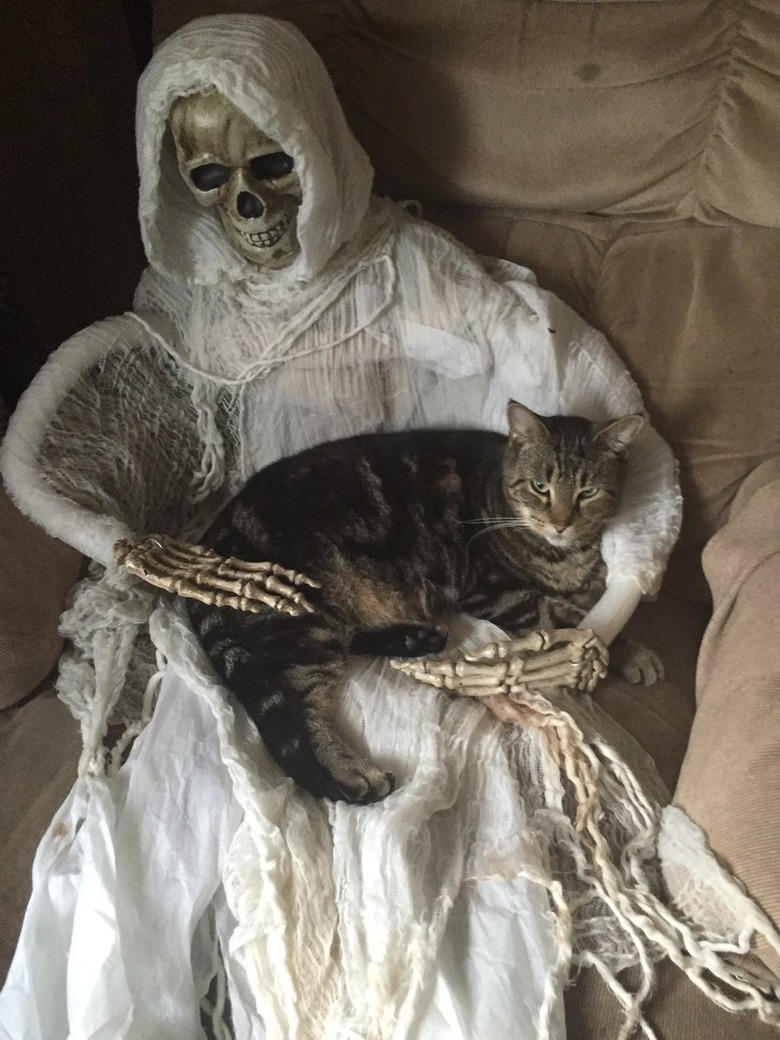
x=491, y=520
x=516, y=523
x=486, y=519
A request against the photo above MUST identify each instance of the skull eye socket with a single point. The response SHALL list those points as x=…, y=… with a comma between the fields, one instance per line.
x=273, y=166
x=209, y=176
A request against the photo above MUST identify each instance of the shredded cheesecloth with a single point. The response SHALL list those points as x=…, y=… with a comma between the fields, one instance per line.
x=186, y=888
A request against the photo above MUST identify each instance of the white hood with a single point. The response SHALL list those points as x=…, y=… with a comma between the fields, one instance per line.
x=266, y=68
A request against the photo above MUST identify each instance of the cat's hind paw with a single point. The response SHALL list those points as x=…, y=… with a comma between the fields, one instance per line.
x=363, y=783
x=636, y=663
x=352, y=778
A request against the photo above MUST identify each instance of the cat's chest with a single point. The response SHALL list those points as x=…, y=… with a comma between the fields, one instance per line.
x=571, y=575
x=550, y=570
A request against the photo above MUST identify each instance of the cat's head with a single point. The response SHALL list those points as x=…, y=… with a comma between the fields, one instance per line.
x=563, y=475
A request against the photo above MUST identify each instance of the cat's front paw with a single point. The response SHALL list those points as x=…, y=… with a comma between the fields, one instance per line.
x=636, y=663
x=404, y=639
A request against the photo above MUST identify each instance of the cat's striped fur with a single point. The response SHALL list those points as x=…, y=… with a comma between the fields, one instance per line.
x=401, y=529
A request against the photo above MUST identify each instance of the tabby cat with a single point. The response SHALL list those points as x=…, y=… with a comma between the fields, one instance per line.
x=401, y=529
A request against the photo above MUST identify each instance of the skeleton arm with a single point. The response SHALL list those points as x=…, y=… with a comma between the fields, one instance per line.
x=570, y=658
x=610, y=614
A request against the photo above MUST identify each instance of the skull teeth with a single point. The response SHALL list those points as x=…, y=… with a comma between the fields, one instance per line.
x=264, y=239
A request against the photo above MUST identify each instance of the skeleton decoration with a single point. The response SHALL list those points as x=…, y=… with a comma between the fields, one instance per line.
x=228, y=162
x=571, y=658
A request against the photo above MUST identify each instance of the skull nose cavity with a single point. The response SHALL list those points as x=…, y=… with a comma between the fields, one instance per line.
x=249, y=206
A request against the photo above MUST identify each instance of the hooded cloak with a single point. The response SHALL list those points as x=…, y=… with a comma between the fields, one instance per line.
x=190, y=868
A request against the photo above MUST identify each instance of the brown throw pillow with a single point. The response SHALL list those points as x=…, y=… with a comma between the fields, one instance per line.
x=730, y=779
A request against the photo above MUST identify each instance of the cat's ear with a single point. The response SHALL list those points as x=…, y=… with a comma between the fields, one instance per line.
x=525, y=425
x=618, y=433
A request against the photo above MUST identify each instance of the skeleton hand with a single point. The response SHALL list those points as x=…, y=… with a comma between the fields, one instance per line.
x=574, y=658
x=199, y=573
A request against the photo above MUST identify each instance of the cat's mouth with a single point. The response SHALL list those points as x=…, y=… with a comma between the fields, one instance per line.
x=561, y=539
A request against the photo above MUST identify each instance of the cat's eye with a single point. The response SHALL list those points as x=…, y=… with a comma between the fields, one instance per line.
x=541, y=487
x=209, y=176
x=273, y=166
x=588, y=492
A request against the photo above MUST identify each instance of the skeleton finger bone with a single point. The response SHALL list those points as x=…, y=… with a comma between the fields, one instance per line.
x=574, y=638
x=197, y=572
x=484, y=680
x=584, y=680
x=234, y=568
x=533, y=642
x=576, y=659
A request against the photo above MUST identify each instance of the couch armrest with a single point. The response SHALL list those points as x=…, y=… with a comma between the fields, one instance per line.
x=730, y=779
x=41, y=742
x=36, y=572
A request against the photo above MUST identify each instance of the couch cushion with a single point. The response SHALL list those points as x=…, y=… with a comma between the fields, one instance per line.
x=659, y=717
x=664, y=110
x=36, y=572
x=565, y=251
x=730, y=781
x=694, y=313
x=514, y=91
x=740, y=161
x=677, y=1009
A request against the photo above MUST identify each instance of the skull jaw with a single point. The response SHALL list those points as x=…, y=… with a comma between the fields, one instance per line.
x=273, y=256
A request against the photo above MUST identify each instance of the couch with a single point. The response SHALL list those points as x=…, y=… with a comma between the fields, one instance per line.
x=627, y=152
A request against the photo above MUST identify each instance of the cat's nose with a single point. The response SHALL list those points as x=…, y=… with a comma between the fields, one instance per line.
x=560, y=528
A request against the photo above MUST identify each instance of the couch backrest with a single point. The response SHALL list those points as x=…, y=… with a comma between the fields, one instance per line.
x=660, y=109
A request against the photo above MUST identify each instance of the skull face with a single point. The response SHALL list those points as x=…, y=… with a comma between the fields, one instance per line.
x=227, y=162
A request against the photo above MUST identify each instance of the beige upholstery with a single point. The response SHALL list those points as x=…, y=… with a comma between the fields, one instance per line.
x=629, y=153
x=41, y=743
x=736, y=730
x=35, y=574
x=659, y=717
x=677, y=1010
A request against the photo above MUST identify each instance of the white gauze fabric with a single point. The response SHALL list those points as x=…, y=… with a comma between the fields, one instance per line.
x=189, y=874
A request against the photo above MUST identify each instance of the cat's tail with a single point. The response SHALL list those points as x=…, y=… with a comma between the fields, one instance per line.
x=285, y=672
